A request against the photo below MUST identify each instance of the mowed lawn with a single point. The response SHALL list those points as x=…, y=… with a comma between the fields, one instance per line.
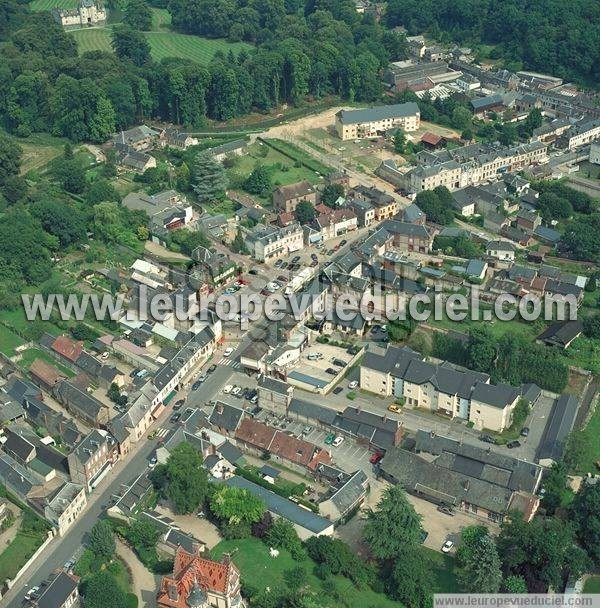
x=9, y=341
x=48, y=5
x=162, y=44
x=260, y=570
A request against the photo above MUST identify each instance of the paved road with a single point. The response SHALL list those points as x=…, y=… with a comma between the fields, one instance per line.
x=62, y=549
x=123, y=473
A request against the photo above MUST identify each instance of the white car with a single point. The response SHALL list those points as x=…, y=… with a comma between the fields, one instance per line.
x=447, y=546
x=227, y=351
x=353, y=384
x=227, y=389
x=337, y=441
x=236, y=390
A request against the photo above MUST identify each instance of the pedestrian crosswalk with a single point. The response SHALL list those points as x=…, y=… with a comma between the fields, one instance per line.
x=229, y=362
x=162, y=432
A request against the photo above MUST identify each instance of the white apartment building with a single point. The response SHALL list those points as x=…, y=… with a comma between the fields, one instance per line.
x=269, y=243
x=372, y=122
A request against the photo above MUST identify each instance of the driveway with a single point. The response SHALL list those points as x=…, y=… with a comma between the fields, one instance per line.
x=199, y=528
x=442, y=527
x=144, y=583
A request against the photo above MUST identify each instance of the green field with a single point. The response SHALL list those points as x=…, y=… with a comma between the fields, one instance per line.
x=92, y=39
x=47, y=5
x=592, y=585
x=260, y=570
x=162, y=44
x=9, y=341
x=31, y=354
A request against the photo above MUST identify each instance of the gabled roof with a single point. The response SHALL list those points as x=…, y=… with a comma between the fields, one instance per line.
x=561, y=333
x=283, y=507
x=401, y=110
x=500, y=246
x=559, y=425
x=69, y=349
x=496, y=395
x=226, y=416
x=57, y=591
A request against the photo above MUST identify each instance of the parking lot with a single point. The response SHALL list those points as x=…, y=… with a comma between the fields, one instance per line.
x=349, y=456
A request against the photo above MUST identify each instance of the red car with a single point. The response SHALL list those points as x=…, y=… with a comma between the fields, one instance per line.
x=375, y=458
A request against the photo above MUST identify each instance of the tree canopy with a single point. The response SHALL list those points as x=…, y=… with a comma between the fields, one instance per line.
x=393, y=525
x=183, y=479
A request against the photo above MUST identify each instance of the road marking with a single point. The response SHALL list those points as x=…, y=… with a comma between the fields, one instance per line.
x=162, y=432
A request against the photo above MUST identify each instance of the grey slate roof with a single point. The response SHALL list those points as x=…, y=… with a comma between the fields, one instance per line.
x=496, y=395
x=226, y=416
x=441, y=484
x=501, y=469
x=561, y=333
x=350, y=117
x=283, y=507
x=230, y=452
x=56, y=592
x=312, y=411
x=350, y=492
x=559, y=425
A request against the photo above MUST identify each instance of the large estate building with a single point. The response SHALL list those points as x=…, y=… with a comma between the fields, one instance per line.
x=89, y=12
x=198, y=582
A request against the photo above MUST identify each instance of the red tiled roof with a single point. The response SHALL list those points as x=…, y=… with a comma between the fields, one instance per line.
x=431, y=138
x=187, y=569
x=255, y=433
x=69, y=349
x=285, y=219
x=292, y=449
x=320, y=457
x=45, y=372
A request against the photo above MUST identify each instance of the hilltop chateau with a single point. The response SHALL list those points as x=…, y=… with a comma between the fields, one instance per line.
x=89, y=12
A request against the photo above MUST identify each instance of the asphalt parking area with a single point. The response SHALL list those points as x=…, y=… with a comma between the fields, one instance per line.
x=442, y=527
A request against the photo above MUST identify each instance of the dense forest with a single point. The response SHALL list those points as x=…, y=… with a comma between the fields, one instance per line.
x=46, y=86
x=554, y=36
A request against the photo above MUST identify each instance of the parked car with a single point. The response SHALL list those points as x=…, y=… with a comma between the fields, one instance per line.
x=227, y=389
x=330, y=438
x=337, y=390
x=253, y=271
x=423, y=536
x=211, y=369
x=152, y=462
x=394, y=408
x=447, y=546
x=375, y=458
x=445, y=509
x=487, y=439
x=352, y=385
x=236, y=391
x=337, y=441
x=196, y=385
x=343, y=242
x=254, y=399
x=227, y=351
x=306, y=430
x=525, y=431
x=295, y=259
x=331, y=371
x=202, y=378
x=175, y=417
x=375, y=329
x=178, y=404
x=282, y=279
x=284, y=266
x=513, y=444
x=278, y=263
